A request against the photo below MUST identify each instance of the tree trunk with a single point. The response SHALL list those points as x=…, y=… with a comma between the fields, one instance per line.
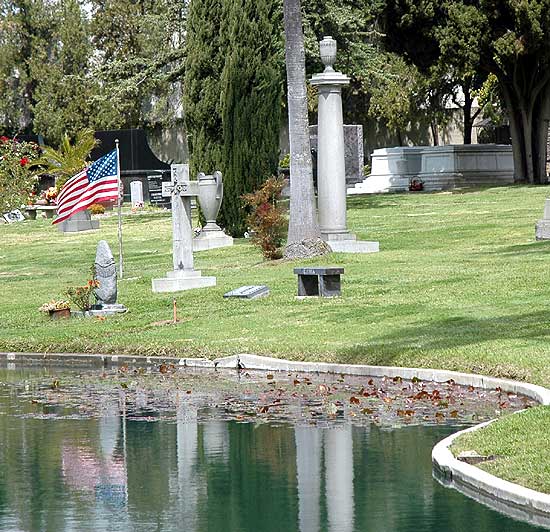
x=529, y=115
x=435, y=132
x=303, y=223
x=467, y=110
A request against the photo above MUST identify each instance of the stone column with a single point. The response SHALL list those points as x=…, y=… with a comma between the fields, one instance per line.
x=331, y=168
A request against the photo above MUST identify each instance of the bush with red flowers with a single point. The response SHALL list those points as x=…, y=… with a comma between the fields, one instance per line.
x=16, y=178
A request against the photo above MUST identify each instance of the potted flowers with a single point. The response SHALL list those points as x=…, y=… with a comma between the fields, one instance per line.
x=57, y=309
x=79, y=296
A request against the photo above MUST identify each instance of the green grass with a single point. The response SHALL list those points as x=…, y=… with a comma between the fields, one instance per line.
x=521, y=444
x=459, y=283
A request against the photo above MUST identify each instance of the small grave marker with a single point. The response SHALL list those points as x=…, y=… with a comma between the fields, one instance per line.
x=248, y=292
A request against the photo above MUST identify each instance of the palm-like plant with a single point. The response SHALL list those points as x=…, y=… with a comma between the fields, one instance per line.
x=68, y=159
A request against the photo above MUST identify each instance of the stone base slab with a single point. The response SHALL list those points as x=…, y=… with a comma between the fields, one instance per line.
x=81, y=221
x=354, y=246
x=107, y=310
x=542, y=230
x=211, y=240
x=332, y=236
x=179, y=283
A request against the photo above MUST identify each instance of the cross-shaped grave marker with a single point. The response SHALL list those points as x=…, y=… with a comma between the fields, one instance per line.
x=184, y=276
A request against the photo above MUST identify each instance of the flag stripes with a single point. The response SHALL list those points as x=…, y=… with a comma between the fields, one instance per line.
x=97, y=184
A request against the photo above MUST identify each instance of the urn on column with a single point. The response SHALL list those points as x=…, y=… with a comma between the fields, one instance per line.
x=210, y=198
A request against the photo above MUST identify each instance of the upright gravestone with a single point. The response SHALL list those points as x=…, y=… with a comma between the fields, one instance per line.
x=542, y=228
x=105, y=273
x=81, y=221
x=136, y=193
x=183, y=276
x=331, y=168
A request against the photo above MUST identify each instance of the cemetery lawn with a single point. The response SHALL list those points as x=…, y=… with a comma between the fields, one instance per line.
x=460, y=283
x=520, y=443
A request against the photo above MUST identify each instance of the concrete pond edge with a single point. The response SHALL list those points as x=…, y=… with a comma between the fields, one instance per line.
x=506, y=497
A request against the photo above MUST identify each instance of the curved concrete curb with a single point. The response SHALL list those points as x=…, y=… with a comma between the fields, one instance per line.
x=510, y=499
x=506, y=497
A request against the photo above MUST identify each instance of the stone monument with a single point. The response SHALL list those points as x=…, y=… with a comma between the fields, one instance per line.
x=80, y=221
x=210, y=199
x=542, y=228
x=331, y=169
x=183, y=276
x=136, y=194
x=105, y=273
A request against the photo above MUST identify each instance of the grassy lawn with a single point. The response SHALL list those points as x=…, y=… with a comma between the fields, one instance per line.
x=521, y=444
x=459, y=283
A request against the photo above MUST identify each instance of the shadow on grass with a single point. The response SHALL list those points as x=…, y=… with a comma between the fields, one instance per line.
x=451, y=333
x=522, y=249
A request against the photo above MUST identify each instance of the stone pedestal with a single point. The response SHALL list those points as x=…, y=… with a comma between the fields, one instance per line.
x=331, y=168
x=210, y=199
x=184, y=276
x=211, y=239
x=81, y=221
x=542, y=228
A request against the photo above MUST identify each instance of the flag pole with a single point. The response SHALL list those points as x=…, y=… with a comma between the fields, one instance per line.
x=119, y=209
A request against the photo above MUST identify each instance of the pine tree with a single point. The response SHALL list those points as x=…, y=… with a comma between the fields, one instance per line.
x=205, y=56
x=64, y=92
x=26, y=35
x=251, y=96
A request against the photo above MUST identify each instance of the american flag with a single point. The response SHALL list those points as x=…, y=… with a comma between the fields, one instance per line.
x=96, y=184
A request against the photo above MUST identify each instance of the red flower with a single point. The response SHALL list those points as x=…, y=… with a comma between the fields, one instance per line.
x=3, y=138
x=24, y=161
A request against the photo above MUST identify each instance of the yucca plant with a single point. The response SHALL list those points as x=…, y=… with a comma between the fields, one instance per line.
x=68, y=159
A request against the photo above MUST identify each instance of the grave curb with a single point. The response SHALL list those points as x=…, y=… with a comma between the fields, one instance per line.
x=512, y=499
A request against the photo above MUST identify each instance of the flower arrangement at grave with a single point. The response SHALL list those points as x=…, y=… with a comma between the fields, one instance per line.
x=80, y=296
x=48, y=197
x=416, y=185
x=17, y=181
x=266, y=221
x=55, y=304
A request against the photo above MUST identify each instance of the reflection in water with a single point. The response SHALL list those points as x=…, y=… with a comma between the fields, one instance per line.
x=121, y=473
x=308, y=466
x=187, y=445
x=339, y=478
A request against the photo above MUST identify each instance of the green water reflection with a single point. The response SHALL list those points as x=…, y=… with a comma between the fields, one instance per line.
x=120, y=475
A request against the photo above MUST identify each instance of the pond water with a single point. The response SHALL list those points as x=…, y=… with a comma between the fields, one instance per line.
x=99, y=452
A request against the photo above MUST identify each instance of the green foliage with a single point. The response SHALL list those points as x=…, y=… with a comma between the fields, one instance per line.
x=79, y=296
x=26, y=36
x=140, y=61
x=204, y=62
x=68, y=159
x=252, y=90
x=266, y=219
x=16, y=179
x=64, y=89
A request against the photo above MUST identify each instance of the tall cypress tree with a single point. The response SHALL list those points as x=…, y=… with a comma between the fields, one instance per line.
x=252, y=90
x=204, y=63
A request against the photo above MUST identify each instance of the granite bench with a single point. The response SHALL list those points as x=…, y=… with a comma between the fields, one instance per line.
x=32, y=210
x=319, y=281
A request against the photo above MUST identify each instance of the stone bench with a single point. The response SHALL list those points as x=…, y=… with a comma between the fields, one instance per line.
x=319, y=281
x=32, y=210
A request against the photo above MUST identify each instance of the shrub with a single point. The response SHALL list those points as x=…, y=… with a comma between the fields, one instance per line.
x=266, y=220
x=16, y=179
x=97, y=208
x=79, y=296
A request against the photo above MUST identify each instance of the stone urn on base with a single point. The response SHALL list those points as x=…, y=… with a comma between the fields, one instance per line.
x=210, y=199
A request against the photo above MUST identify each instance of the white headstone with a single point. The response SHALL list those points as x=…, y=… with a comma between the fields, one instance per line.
x=183, y=276
x=136, y=193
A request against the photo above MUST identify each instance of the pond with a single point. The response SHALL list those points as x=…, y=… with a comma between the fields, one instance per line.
x=133, y=450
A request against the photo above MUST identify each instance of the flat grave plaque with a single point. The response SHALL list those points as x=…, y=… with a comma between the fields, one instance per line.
x=248, y=292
